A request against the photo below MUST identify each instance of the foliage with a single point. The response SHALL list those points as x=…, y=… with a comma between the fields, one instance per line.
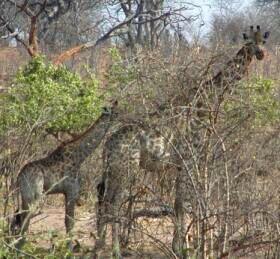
x=59, y=246
x=120, y=74
x=54, y=98
x=143, y=81
x=258, y=98
x=120, y=77
x=4, y=251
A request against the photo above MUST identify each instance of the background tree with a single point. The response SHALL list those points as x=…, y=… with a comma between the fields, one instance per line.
x=151, y=19
x=267, y=2
x=33, y=22
x=133, y=22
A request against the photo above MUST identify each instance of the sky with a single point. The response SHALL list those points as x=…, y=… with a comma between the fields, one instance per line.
x=209, y=7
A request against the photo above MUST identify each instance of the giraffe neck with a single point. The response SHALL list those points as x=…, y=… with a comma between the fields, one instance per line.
x=221, y=83
x=78, y=149
x=87, y=143
x=224, y=80
x=234, y=70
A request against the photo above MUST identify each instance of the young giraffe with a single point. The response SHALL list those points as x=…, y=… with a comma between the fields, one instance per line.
x=58, y=172
x=134, y=147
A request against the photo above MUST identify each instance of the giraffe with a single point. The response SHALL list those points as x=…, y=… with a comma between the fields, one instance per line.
x=58, y=172
x=134, y=149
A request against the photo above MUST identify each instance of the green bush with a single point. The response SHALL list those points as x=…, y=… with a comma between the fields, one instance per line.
x=255, y=98
x=54, y=98
x=120, y=73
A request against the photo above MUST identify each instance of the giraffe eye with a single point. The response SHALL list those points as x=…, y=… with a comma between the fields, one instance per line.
x=106, y=110
x=259, y=55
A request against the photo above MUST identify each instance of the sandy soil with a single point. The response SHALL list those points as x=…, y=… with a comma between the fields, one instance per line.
x=143, y=245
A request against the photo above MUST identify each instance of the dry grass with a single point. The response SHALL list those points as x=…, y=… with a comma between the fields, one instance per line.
x=142, y=245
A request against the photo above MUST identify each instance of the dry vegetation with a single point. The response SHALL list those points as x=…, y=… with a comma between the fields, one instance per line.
x=232, y=207
x=240, y=188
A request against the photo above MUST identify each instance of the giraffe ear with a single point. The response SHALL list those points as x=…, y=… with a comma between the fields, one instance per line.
x=115, y=103
x=106, y=110
x=245, y=36
x=266, y=35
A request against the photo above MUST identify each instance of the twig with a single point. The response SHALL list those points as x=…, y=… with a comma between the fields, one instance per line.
x=18, y=250
x=159, y=243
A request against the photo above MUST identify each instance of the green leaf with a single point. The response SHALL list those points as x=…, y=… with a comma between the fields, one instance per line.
x=50, y=97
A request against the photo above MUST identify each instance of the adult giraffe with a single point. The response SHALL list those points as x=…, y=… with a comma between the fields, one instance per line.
x=58, y=172
x=133, y=147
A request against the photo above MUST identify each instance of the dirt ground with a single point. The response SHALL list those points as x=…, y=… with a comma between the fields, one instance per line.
x=148, y=242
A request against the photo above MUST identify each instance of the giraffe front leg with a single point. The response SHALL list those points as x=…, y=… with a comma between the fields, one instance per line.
x=112, y=202
x=116, y=241
x=31, y=189
x=72, y=193
x=101, y=211
x=20, y=225
x=101, y=221
x=70, y=202
x=116, y=231
x=179, y=237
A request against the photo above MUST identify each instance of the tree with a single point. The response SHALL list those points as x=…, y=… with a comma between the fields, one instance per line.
x=130, y=22
x=228, y=22
x=49, y=99
x=149, y=20
x=267, y=2
x=226, y=30
x=140, y=23
x=39, y=22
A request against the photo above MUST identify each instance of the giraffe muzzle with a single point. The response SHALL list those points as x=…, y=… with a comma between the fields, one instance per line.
x=260, y=54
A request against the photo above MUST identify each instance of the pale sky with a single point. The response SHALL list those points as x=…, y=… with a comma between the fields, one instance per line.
x=209, y=7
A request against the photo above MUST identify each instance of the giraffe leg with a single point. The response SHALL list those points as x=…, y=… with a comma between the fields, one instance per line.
x=108, y=207
x=101, y=212
x=31, y=189
x=101, y=231
x=26, y=215
x=179, y=237
x=69, y=214
x=20, y=225
x=71, y=197
x=107, y=204
x=116, y=185
x=126, y=227
x=116, y=228
x=102, y=219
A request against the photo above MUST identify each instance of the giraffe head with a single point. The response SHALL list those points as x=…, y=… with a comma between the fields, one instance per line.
x=254, y=41
x=110, y=110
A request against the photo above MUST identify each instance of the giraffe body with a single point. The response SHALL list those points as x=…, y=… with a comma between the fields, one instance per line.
x=51, y=175
x=135, y=157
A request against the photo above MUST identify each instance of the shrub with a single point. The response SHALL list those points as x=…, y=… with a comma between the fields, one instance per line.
x=255, y=98
x=54, y=98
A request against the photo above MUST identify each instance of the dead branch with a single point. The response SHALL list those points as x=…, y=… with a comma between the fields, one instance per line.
x=155, y=212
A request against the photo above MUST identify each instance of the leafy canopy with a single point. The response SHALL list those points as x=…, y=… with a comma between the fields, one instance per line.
x=50, y=97
x=258, y=97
